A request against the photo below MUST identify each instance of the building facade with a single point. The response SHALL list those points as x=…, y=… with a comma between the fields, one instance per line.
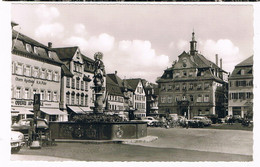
x=193, y=85
x=139, y=97
x=241, y=89
x=36, y=69
x=76, y=82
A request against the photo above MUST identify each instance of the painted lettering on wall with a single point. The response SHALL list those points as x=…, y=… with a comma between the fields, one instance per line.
x=31, y=81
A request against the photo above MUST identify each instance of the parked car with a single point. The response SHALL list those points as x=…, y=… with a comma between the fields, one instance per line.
x=149, y=120
x=24, y=125
x=199, y=121
x=17, y=141
x=237, y=118
x=214, y=118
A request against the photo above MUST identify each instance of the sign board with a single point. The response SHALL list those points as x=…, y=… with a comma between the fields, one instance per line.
x=36, y=102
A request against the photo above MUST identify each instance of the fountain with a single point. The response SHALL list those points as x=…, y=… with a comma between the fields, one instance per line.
x=98, y=126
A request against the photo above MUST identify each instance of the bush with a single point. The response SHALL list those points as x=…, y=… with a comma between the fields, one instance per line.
x=96, y=118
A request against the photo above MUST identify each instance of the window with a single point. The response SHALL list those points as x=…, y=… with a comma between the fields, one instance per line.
x=72, y=99
x=163, y=87
x=26, y=93
x=249, y=95
x=86, y=85
x=206, y=86
x=49, y=75
x=191, y=86
x=163, y=99
x=86, y=100
x=169, y=99
x=36, y=72
x=35, y=50
x=82, y=100
x=28, y=47
x=184, y=73
x=27, y=71
x=241, y=96
x=240, y=83
x=56, y=76
x=191, y=97
x=250, y=83
x=177, y=74
x=184, y=97
x=206, y=98
x=234, y=95
x=177, y=98
x=43, y=74
x=177, y=87
x=77, y=67
x=55, y=96
x=199, y=99
x=68, y=82
x=18, y=92
x=73, y=83
x=184, y=87
x=77, y=84
x=199, y=87
x=42, y=94
x=49, y=95
x=242, y=72
x=67, y=98
x=19, y=69
x=82, y=85
x=77, y=99
x=190, y=74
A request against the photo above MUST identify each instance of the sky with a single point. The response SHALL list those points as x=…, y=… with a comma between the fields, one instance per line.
x=141, y=41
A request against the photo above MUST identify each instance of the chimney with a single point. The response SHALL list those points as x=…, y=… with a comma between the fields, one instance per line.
x=217, y=59
x=220, y=62
x=49, y=44
x=115, y=72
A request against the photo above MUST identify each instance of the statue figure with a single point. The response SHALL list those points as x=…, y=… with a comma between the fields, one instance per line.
x=99, y=74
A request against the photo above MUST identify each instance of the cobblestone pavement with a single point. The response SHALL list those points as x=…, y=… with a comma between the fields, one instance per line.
x=172, y=145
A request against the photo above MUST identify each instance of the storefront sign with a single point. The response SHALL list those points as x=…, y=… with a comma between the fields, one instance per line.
x=30, y=81
x=30, y=103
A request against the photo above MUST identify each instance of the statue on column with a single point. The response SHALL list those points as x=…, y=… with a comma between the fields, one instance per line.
x=99, y=74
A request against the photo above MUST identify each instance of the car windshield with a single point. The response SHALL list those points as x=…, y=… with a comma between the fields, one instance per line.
x=25, y=122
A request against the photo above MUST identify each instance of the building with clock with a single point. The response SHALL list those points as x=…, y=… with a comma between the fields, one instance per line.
x=193, y=85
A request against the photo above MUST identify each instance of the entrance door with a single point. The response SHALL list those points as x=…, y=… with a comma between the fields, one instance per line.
x=184, y=112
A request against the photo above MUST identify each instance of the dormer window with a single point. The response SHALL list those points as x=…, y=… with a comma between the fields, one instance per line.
x=242, y=72
x=35, y=50
x=28, y=47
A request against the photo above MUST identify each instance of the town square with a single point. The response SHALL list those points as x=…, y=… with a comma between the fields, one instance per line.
x=132, y=83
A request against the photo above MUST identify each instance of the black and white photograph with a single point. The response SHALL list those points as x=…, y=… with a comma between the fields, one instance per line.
x=132, y=82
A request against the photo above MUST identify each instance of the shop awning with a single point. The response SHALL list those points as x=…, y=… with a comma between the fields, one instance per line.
x=21, y=110
x=86, y=109
x=51, y=111
x=77, y=110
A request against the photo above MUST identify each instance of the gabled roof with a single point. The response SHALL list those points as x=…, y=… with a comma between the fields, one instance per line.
x=121, y=83
x=66, y=53
x=248, y=62
x=133, y=82
x=112, y=88
x=85, y=58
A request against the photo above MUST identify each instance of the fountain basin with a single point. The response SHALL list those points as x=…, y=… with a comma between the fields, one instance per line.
x=98, y=131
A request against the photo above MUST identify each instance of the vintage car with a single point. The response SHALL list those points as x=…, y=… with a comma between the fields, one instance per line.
x=17, y=141
x=149, y=120
x=199, y=121
x=24, y=125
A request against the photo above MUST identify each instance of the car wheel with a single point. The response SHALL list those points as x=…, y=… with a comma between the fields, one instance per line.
x=202, y=125
x=15, y=150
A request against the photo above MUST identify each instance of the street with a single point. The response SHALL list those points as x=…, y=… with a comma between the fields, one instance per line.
x=176, y=144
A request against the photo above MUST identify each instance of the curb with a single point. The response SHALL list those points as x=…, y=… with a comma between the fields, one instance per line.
x=116, y=141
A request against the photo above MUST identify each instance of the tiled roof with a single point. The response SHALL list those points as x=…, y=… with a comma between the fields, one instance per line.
x=42, y=50
x=247, y=62
x=121, y=83
x=65, y=71
x=133, y=82
x=66, y=53
x=112, y=88
x=85, y=58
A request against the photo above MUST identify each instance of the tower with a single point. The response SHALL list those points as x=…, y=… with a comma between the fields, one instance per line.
x=193, y=45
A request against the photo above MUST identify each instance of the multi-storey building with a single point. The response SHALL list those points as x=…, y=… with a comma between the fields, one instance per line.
x=241, y=89
x=124, y=94
x=77, y=74
x=35, y=69
x=152, y=95
x=193, y=85
x=139, y=97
